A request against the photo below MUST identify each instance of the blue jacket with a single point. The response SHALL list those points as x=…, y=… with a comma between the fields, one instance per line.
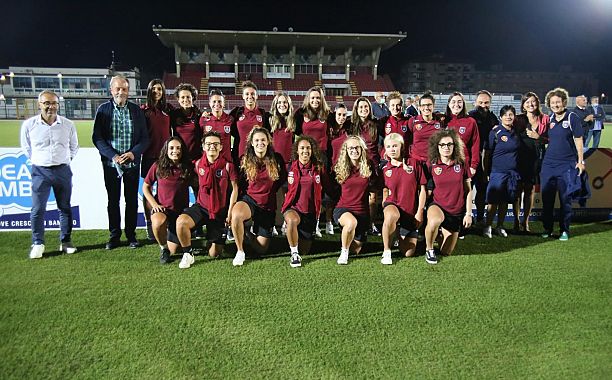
x=102, y=132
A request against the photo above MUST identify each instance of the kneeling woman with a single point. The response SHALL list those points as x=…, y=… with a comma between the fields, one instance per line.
x=215, y=176
x=172, y=172
x=265, y=173
x=356, y=175
x=451, y=205
x=405, y=182
x=303, y=199
x=500, y=158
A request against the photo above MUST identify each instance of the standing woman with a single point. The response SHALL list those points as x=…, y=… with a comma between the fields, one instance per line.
x=338, y=125
x=172, y=173
x=265, y=173
x=458, y=120
x=562, y=163
x=246, y=117
x=218, y=121
x=500, y=163
x=405, y=183
x=355, y=173
x=282, y=125
x=450, y=207
x=364, y=125
x=422, y=127
x=185, y=120
x=531, y=127
x=302, y=204
x=157, y=115
x=396, y=122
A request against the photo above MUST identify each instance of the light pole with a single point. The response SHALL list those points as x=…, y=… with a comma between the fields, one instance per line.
x=3, y=100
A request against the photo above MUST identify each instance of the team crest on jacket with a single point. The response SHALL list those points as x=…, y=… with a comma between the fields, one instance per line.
x=201, y=171
x=409, y=169
x=226, y=129
x=318, y=178
x=388, y=128
x=437, y=126
x=457, y=168
x=259, y=118
x=504, y=138
x=462, y=130
x=219, y=173
x=388, y=173
x=418, y=127
x=208, y=128
x=438, y=170
x=241, y=117
x=290, y=178
x=565, y=124
x=404, y=128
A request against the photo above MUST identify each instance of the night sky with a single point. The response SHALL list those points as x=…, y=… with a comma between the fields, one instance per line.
x=520, y=35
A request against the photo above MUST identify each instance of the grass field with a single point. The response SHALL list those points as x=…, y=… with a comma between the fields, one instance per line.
x=520, y=307
x=9, y=133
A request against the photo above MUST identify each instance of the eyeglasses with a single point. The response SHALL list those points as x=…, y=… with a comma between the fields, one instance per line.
x=447, y=145
x=355, y=148
x=50, y=104
x=209, y=145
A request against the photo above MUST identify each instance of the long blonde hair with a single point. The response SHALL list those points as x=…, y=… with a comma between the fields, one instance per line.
x=250, y=162
x=344, y=166
x=276, y=117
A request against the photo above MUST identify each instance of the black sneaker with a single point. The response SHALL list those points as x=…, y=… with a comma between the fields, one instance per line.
x=296, y=260
x=164, y=258
x=430, y=256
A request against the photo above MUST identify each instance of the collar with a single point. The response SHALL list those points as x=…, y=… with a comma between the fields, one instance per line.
x=117, y=107
x=41, y=121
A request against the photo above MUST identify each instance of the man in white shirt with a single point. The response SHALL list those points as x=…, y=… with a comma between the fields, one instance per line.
x=50, y=143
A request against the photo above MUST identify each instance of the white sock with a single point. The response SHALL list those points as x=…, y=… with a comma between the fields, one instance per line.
x=344, y=251
x=238, y=252
x=294, y=249
x=388, y=252
x=163, y=246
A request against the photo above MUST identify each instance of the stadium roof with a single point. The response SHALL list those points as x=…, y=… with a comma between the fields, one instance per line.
x=197, y=38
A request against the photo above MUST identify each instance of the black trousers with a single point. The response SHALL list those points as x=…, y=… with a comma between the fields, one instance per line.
x=112, y=183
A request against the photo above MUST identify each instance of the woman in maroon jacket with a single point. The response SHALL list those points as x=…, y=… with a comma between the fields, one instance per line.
x=355, y=173
x=451, y=206
x=265, y=173
x=156, y=112
x=458, y=120
x=172, y=172
x=303, y=201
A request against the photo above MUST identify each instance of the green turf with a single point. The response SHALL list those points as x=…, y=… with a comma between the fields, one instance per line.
x=520, y=307
x=10, y=129
x=9, y=133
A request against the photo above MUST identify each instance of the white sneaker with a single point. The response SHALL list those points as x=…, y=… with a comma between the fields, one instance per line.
x=67, y=247
x=343, y=259
x=329, y=228
x=386, y=258
x=274, y=231
x=239, y=259
x=501, y=232
x=186, y=261
x=318, y=232
x=284, y=229
x=487, y=232
x=37, y=251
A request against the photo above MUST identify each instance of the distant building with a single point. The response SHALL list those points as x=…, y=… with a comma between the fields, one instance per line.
x=81, y=90
x=442, y=76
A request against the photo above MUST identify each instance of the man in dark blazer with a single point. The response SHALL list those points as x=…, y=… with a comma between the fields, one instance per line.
x=120, y=134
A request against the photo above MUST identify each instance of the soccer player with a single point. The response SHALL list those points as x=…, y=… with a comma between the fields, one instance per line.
x=172, y=172
x=213, y=208
x=531, y=126
x=355, y=173
x=246, y=117
x=396, y=122
x=500, y=163
x=265, y=172
x=218, y=121
x=458, y=119
x=364, y=124
x=185, y=120
x=405, y=183
x=450, y=208
x=302, y=204
x=562, y=164
x=157, y=115
x=422, y=127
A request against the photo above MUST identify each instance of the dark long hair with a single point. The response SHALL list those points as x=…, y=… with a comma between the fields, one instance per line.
x=162, y=102
x=358, y=126
x=315, y=156
x=165, y=165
